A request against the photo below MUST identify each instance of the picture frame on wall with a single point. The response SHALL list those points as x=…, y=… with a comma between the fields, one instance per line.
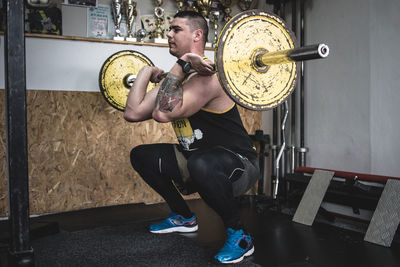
x=82, y=3
x=99, y=22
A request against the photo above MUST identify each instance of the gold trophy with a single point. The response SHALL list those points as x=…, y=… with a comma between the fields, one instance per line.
x=191, y=6
x=204, y=6
x=247, y=4
x=130, y=14
x=158, y=34
x=227, y=4
x=141, y=34
x=180, y=4
x=215, y=20
x=117, y=17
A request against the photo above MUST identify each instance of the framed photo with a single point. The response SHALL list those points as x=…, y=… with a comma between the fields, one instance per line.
x=83, y=3
x=99, y=22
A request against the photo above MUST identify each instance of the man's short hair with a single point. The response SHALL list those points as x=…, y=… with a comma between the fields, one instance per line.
x=195, y=21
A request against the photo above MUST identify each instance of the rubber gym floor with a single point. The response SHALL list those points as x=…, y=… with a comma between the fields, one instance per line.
x=118, y=236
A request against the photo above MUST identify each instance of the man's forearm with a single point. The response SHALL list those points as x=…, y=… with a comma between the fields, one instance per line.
x=139, y=104
x=138, y=90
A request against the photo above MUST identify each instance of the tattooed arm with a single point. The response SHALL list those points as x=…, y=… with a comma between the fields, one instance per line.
x=176, y=99
x=170, y=93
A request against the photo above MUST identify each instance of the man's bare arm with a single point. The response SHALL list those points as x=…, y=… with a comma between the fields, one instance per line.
x=140, y=104
x=170, y=93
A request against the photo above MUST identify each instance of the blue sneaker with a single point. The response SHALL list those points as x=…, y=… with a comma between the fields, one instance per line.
x=175, y=223
x=237, y=246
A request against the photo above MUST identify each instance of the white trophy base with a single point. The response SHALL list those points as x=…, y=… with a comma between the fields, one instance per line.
x=160, y=41
x=118, y=38
x=130, y=39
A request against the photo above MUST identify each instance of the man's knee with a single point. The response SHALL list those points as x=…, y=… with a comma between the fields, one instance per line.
x=137, y=155
x=198, y=166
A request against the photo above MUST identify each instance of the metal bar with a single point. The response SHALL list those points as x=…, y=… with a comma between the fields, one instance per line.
x=275, y=126
x=293, y=100
x=284, y=115
x=302, y=149
x=262, y=140
x=284, y=111
x=309, y=52
x=276, y=6
x=274, y=146
x=20, y=250
x=282, y=10
x=281, y=150
x=260, y=189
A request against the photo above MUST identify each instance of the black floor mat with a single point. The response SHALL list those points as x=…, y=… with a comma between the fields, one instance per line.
x=126, y=245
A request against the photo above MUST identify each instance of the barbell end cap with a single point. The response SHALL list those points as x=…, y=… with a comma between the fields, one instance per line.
x=323, y=50
x=128, y=80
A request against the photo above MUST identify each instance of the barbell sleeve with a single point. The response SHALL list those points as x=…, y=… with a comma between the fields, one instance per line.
x=309, y=52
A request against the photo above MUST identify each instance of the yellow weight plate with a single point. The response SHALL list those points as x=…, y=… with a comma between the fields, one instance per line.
x=114, y=72
x=245, y=35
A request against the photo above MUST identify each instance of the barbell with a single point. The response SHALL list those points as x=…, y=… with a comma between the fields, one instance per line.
x=257, y=62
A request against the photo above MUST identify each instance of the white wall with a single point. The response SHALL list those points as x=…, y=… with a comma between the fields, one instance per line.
x=337, y=89
x=70, y=65
x=352, y=97
x=385, y=86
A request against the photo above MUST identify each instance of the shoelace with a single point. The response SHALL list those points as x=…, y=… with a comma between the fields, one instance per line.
x=233, y=239
x=179, y=220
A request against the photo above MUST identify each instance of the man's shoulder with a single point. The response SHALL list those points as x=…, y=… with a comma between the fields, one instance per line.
x=210, y=80
x=218, y=99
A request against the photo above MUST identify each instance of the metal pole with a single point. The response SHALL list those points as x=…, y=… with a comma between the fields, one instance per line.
x=308, y=52
x=20, y=250
x=293, y=101
x=263, y=140
x=282, y=156
x=274, y=147
x=285, y=112
x=302, y=149
x=260, y=190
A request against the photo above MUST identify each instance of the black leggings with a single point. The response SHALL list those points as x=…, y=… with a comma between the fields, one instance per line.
x=213, y=174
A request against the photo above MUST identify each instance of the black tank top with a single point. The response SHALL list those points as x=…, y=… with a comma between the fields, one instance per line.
x=206, y=129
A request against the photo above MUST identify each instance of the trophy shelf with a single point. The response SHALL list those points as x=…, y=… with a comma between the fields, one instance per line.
x=78, y=38
x=67, y=63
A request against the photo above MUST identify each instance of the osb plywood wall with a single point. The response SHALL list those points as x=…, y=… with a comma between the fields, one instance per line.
x=78, y=152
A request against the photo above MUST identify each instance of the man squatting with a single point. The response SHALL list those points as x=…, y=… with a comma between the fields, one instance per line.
x=215, y=156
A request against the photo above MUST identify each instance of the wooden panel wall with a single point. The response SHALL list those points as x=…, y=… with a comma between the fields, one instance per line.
x=79, y=149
